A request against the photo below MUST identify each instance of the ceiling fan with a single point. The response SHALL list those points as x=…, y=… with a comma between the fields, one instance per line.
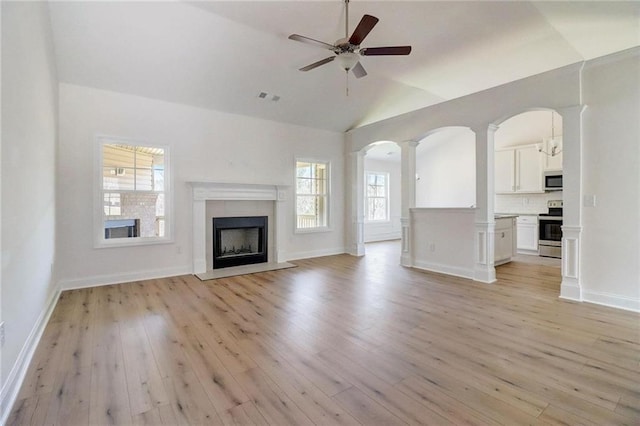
x=347, y=51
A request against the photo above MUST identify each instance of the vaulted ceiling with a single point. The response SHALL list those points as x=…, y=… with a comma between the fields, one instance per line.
x=221, y=54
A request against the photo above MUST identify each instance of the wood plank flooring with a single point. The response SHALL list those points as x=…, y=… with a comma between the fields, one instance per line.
x=336, y=341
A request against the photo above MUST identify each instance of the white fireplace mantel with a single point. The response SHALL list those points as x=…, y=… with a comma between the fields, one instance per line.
x=222, y=191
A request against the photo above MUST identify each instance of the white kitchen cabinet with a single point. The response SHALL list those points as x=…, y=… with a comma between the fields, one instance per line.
x=518, y=170
x=505, y=167
x=505, y=243
x=553, y=162
x=527, y=234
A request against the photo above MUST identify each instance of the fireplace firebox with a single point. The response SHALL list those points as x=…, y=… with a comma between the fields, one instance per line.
x=239, y=241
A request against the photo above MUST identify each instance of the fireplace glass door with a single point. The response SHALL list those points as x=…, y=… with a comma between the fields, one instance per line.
x=239, y=241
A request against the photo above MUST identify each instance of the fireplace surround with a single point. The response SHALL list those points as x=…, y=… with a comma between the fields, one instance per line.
x=203, y=191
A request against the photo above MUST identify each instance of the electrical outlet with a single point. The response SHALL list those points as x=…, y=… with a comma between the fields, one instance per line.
x=2, y=334
x=432, y=247
x=589, y=200
x=178, y=249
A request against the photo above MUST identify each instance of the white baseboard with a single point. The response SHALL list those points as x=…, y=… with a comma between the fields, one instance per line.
x=16, y=376
x=612, y=300
x=456, y=271
x=315, y=253
x=385, y=236
x=528, y=252
x=100, y=280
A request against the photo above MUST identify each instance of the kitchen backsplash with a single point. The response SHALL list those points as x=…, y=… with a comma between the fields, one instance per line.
x=525, y=203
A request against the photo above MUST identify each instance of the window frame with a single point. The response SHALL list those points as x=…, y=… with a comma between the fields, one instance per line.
x=327, y=196
x=387, y=197
x=99, y=241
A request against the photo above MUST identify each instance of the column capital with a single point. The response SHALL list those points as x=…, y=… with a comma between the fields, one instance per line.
x=408, y=143
x=571, y=109
x=361, y=153
x=483, y=129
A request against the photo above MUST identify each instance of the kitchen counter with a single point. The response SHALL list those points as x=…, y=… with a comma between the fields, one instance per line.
x=505, y=215
x=519, y=213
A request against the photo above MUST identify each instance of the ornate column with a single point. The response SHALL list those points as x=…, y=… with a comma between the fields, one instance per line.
x=408, y=164
x=484, y=269
x=572, y=200
x=356, y=179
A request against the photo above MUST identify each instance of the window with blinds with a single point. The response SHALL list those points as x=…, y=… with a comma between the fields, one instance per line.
x=133, y=192
x=312, y=195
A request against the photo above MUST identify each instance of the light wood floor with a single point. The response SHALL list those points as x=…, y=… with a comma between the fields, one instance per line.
x=337, y=340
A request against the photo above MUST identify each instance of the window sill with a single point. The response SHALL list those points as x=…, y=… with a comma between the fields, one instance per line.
x=132, y=242
x=312, y=230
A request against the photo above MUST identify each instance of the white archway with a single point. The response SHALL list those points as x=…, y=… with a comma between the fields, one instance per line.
x=572, y=194
x=356, y=174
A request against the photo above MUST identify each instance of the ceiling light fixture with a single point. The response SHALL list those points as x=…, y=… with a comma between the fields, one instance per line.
x=347, y=60
x=553, y=143
x=347, y=50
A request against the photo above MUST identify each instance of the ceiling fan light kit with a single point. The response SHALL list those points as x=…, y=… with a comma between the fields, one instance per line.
x=348, y=60
x=347, y=50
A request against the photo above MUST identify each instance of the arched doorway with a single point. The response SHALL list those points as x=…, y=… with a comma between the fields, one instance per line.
x=529, y=147
x=382, y=192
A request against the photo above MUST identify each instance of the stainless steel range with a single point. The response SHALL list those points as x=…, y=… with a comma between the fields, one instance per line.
x=550, y=226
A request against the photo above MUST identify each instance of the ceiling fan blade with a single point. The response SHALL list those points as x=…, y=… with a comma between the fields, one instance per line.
x=317, y=64
x=364, y=27
x=390, y=50
x=359, y=71
x=308, y=40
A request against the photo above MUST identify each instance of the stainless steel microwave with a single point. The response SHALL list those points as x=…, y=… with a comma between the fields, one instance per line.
x=553, y=181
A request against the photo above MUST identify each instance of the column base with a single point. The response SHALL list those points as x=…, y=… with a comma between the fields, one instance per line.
x=484, y=274
x=570, y=289
x=357, y=250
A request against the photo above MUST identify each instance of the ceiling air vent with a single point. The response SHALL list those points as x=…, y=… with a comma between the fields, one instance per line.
x=265, y=95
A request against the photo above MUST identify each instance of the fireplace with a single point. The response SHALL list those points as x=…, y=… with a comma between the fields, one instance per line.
x=122, y=228
x=239, y=241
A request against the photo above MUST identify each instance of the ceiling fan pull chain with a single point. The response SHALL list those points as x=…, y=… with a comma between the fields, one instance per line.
x=346, y=74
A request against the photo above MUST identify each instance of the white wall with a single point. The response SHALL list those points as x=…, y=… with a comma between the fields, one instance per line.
x=205, y=146
x=381, y=231
x=29, y=120
x=611, y=254
x=443, y=240
x=446, y=169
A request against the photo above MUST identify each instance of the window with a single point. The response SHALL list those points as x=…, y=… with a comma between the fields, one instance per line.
x=312, y=183
x=377, y=196
x=133, y=193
